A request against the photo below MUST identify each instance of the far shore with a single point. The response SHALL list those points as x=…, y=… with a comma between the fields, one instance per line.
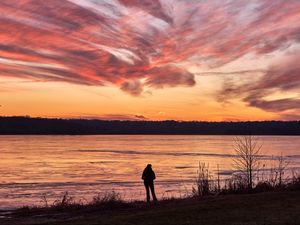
x=18, y=125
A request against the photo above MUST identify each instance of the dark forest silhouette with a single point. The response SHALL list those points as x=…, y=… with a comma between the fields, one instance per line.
x=28, y=125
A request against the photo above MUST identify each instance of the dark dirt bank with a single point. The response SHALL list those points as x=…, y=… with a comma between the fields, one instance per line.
x=276, y=208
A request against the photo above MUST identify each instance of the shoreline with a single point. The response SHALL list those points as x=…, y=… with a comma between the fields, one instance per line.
x=279, y=207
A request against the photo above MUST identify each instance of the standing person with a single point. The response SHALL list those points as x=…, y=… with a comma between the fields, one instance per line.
x=149, y=177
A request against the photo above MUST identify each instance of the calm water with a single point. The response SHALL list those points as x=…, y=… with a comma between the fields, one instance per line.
x=33, y=166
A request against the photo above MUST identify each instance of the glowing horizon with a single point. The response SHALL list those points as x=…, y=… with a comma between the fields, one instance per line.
x=151, y=60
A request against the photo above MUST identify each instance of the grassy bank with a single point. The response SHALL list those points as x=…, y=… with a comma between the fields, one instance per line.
x=276, y=208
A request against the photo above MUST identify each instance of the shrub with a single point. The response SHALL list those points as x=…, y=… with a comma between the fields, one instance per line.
x=204, y=182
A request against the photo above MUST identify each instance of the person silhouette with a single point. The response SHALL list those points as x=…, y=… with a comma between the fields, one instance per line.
x=149, y=177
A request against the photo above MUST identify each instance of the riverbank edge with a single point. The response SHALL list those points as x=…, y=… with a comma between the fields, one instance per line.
x=262, y=208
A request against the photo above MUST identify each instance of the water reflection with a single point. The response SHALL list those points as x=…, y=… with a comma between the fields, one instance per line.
x=32, y=166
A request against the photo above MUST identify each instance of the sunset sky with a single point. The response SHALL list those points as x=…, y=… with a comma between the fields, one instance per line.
x=212, y=60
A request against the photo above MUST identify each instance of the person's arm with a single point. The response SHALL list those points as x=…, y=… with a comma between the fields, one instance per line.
x=153, y=175
x=143, y=175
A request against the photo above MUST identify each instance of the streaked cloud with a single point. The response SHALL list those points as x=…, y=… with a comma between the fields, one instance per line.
x=282, y=77
x=128, y=117
x=142, y=45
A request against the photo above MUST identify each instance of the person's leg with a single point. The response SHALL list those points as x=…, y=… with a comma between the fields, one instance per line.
x=153, y=191
x=147, y=192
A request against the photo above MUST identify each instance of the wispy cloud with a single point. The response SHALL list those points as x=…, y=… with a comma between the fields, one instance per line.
x=136, y=44
x=283, y=77
x=129, y=117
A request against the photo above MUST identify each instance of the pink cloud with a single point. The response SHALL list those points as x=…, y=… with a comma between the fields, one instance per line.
x=136, y=44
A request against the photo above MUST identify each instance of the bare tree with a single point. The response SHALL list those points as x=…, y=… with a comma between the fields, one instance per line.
x=247, y=149
x=282, y=164
x=277, y=170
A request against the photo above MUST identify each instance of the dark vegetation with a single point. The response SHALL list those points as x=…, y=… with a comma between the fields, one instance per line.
x=27, y=125
x=250, y=174
x=271, y=208
x=238, y=183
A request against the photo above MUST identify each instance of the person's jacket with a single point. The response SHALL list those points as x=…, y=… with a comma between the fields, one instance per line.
x=148, y=175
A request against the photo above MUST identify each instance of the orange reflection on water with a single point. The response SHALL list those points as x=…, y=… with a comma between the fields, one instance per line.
x=32, y=166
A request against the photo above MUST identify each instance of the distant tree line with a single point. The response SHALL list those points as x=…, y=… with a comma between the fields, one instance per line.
x=28, y=125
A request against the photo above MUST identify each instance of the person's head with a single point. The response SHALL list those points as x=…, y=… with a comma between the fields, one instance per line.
x=149, y=166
